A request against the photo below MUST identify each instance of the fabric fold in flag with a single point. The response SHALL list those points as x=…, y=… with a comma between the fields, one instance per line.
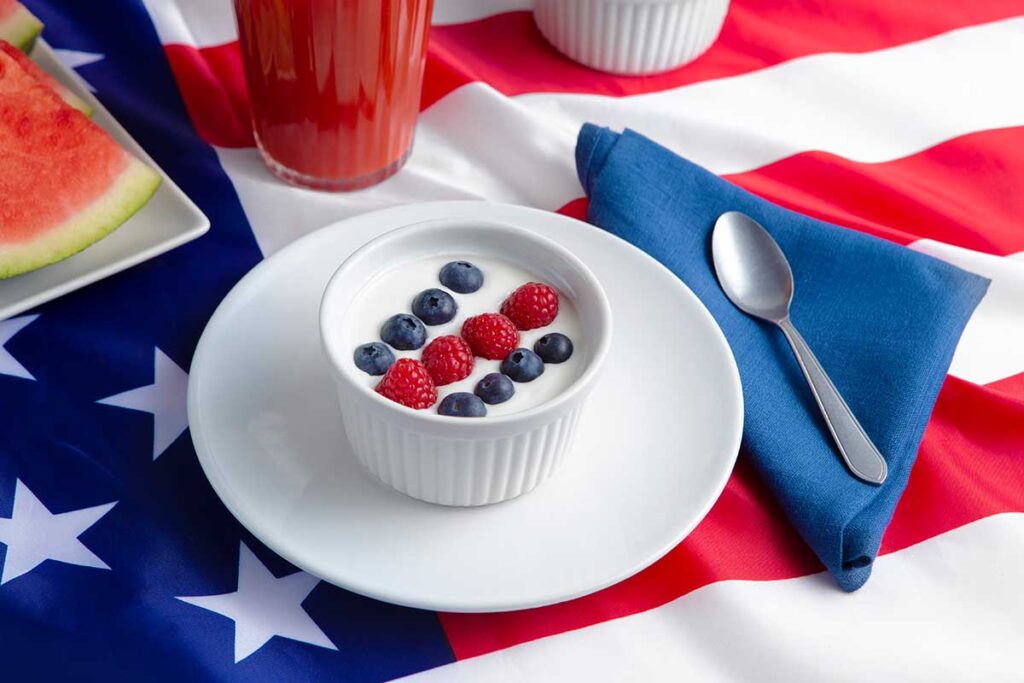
x=883, y=320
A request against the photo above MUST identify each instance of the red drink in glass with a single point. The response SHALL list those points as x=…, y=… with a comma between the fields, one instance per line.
x=334, y=85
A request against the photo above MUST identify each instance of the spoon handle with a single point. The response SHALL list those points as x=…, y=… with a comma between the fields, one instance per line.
x=860, y=454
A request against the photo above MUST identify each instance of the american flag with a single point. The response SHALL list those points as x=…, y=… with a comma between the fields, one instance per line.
x=900, y=119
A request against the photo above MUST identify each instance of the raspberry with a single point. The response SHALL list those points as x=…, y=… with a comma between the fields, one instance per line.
x=491, y=335
x=448, y=359
x=408, y=382
x=531, y=306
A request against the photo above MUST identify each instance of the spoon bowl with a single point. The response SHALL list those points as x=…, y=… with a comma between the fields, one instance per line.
x=751, y=268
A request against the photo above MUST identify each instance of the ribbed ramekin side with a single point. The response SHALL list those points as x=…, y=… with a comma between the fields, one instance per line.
x=462, y=472
x=631, y=37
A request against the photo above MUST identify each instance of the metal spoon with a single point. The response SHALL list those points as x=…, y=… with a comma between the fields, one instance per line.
x=755, y=275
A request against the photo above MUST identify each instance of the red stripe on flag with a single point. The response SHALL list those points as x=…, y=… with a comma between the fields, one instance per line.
x=971, y=464
x=1011, y=386
x=577, y=209
x=212, y=84
x=508, y=52
x=964, y=192
x=969, y=467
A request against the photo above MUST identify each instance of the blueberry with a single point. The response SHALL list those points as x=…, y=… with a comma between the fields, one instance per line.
x=495, y=388
x=462, y=404
x=462, y=277
x=404, y=332
x=554, y=347
x=434, y=306
x=374, y=358
x=522, y=365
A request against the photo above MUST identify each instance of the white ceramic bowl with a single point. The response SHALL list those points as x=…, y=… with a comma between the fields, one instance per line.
x=631, y=37
x=450, y=460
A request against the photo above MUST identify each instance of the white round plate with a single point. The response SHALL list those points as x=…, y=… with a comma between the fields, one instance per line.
x=655, y=445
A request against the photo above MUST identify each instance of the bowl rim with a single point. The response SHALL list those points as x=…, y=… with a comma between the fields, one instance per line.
x=331, y=343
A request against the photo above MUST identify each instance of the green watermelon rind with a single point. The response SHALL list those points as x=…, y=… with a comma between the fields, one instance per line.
x=21, y=29
x=131, y=191
x=74, y=100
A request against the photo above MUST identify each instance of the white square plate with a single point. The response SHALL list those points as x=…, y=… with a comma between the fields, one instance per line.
x=170, y=219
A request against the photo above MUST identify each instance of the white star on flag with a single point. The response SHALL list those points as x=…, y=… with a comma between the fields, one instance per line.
x=265, y=606
x=33, y=535
x=165, y=398
x=9, y=328
x=74, y=59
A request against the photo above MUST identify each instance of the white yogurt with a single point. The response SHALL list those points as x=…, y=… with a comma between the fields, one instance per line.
x=393, y=290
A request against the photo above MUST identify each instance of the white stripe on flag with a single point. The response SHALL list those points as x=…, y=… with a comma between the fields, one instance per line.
x=462, y=11
x=948, y=609
x=866, y=107
x=992, y=346
x=199, y=23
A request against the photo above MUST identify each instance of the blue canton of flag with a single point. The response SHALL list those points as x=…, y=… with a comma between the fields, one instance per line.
x=118, y=560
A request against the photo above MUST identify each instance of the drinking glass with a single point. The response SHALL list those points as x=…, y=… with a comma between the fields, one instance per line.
x=334, y=85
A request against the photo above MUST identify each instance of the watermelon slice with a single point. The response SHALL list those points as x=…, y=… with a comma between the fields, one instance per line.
x=18, y=26
x=64, y=182
x=33, y=69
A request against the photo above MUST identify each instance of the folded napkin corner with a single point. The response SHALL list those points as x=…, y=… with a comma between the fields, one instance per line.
x=884, y=321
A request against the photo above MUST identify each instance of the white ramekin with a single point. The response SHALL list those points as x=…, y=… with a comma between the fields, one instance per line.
x=450, y=460
x=631, y=37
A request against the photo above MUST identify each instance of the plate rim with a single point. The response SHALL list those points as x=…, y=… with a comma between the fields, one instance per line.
x=442, y=209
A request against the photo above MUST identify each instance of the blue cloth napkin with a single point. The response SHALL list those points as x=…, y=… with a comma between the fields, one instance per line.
x=882, y=319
